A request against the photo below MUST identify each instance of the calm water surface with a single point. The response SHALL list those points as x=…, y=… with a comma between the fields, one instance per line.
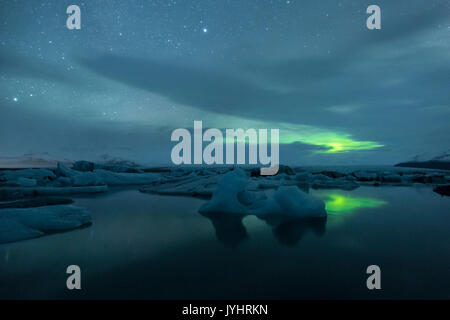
x=150, y=246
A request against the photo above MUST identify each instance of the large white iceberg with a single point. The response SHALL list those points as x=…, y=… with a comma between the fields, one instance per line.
x=41, y=176
x=21, y=224
x=225, y=198
x=291, y=201
x=233, y=197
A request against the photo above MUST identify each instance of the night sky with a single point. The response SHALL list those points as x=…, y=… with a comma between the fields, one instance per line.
x=338, y=92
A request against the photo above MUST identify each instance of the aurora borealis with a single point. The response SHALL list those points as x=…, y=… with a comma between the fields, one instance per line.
x=136, y=70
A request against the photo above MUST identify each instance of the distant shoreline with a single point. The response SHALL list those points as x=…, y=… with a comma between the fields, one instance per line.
x=440, y=165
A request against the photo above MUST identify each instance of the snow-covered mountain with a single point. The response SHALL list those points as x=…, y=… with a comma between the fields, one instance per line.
x=46, y=160
x=440, y=161
x=30, y=160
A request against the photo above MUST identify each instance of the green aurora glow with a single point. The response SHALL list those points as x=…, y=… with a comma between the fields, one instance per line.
x=331, y=141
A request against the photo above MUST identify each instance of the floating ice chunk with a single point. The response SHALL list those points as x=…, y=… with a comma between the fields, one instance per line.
x=437, y=178
x=79, y=178
x=116, y=178
x=62, y=182
x=431, y=178
x=282, y=169
x=268, y=185
x=21, y=224
x=119, y=165
x=113, y=165
x=191, y=185
x=34, y=202
x=83, y=165
x=250, y=198
x=26, y=182
x=40, y=175
x=290, y=201
x=365, y=176
x=415, y=177
x=302, y=176
x=333, y=174
x=274, y=184
x=349, y=177
x=391, y=177
x=87, y=179
x=321, y=177
x=232, y=197
x=49, y=191
x=225, y=197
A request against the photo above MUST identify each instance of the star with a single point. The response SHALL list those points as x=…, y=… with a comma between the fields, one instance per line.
x=15, y=99
x=205, y=30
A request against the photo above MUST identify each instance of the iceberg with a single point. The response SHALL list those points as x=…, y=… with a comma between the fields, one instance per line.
x=291, y=201
x=391, y=177
x=233, y=197
x=26, y=182
x=34, y=202
x=41, y=176
x=225, y=198
x=27, y=223
x=191, y=185
x=365, y=176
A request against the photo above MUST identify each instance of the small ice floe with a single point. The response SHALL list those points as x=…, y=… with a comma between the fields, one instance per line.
x=41, y=176
x=233, y=197
x=331, y=180
x=390, y=177
x=436, y=178
x=12, y=193
x=26, y=182
x=290, y=201
x=302, y=176
x=190, y=185
x=34, y=202
x=365, y=176
x=276, y=184
x=27, y=223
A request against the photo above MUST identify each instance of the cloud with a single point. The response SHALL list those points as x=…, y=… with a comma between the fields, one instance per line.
x=35, y=131
x=14, y=64
x=404, y=27
x=327, y=101
x=205, y=89
x=343, y=109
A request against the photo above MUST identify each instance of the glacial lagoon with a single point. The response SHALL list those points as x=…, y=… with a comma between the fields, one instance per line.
x=144, y=245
